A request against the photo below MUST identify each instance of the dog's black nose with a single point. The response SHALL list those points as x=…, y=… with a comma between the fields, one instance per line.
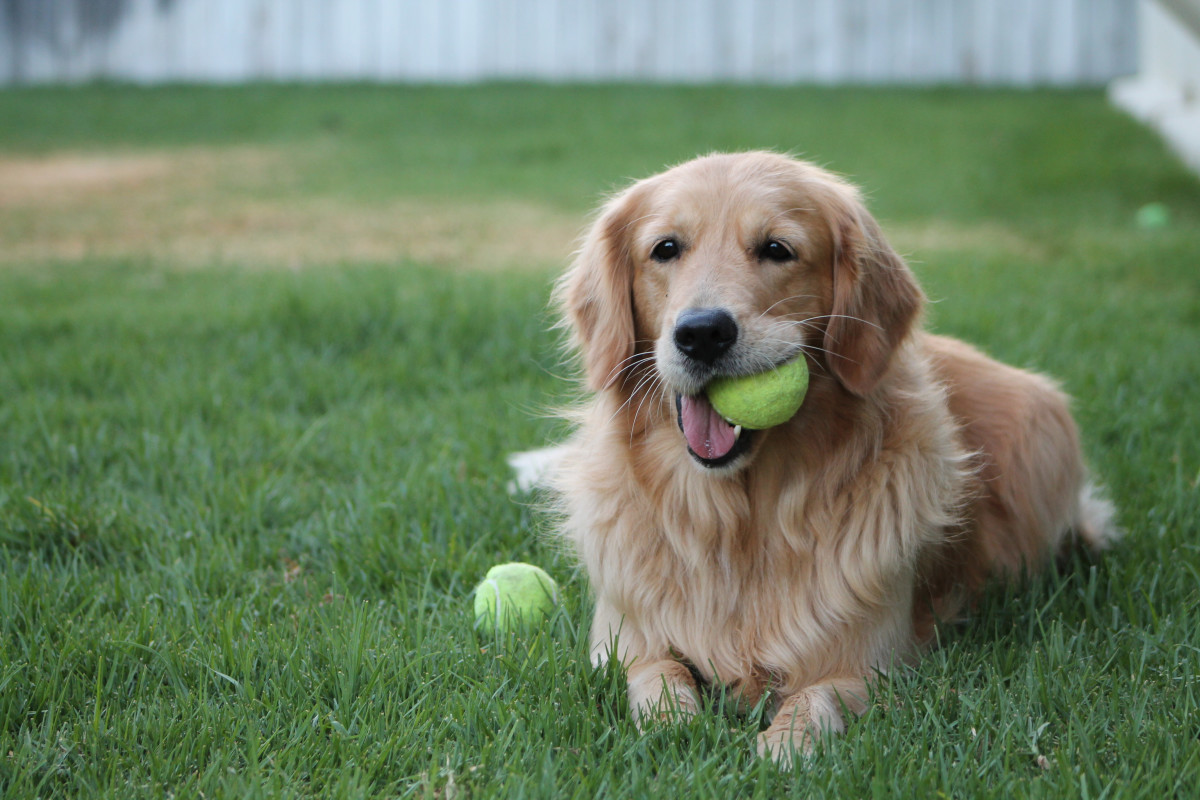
x=705, y=333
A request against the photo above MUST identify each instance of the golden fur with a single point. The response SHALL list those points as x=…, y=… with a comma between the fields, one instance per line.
x=916, y=469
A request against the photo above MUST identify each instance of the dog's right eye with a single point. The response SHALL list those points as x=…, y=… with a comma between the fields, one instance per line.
x=666, y=250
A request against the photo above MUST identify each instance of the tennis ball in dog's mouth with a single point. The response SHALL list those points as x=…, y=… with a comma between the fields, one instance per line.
x=764, y=400
x=512, y=596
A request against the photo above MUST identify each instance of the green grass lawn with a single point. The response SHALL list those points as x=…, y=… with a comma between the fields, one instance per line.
x=263, y=352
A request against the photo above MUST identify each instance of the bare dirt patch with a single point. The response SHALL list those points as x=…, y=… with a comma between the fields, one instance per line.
x=248, y=207
x=913, y=239
x=190, y=208
x=56, y=179
x=71, y=180
x=315, y=231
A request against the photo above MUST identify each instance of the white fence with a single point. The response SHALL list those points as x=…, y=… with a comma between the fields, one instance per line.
x=1165, y=93
x=1013, y=42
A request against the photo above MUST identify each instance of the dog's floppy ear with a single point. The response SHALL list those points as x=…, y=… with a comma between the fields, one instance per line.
x=876, y=301
x=596, y=293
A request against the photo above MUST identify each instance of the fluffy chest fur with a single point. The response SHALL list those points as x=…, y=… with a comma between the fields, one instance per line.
x=801, y=565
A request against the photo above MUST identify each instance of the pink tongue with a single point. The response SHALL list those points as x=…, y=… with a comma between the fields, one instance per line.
x=707, y=433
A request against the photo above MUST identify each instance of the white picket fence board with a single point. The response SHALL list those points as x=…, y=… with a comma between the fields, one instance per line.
x=1016, y=42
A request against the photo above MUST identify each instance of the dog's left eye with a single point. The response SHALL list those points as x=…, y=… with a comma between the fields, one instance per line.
x=775, y=250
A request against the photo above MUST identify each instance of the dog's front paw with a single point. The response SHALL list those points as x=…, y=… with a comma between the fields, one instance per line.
x=673, y=708
x=662, y=692
x=808, y=715
x=786, y=747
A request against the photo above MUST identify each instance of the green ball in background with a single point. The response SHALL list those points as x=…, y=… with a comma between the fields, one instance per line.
x=1153, y=216
x=764, y=400
x=514, y=596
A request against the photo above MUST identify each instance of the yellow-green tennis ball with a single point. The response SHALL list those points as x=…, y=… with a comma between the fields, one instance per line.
x=764, y=400
x=512, y=596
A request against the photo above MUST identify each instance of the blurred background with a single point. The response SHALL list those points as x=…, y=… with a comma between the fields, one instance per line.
x=1152, y=44
x=1022, y=42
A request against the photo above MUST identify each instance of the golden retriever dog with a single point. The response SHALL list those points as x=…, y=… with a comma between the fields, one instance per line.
x=805, y=560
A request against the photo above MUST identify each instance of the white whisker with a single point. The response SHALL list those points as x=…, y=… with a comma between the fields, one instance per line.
x=784, y=300
x=643, y=358
x=629, y=361
x=847, y=316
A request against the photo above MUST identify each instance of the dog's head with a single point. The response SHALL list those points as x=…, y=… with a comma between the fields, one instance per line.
x=730, y=265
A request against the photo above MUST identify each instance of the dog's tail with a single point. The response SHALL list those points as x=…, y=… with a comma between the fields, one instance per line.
x=533, y=469
x=1096, y=526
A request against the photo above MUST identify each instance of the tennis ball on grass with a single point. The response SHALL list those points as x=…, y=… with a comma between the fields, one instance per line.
x=512, y=596
x=764, y=400
x=1153, y=216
